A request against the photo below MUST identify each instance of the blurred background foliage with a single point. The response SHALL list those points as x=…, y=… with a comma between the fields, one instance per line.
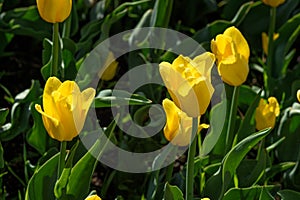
x=263, y=172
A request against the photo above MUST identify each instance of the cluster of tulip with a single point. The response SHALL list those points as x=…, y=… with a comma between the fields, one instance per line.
x=188, y=82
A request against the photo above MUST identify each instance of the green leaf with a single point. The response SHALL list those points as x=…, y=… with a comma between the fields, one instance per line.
x=61, y=183
x=288, y=194
x=1, y=157
x=161, y=13
x=217, y=117
x=247, y=126
x=275, y=169
x=3, y=114
x=255, y=192
x=289, y=128
x=105, y=99
x=81, y=174
x=37, y=136
x=234, y=157
x=41, y=184
x=20, y=113
x=172, y=192
x=288, y=34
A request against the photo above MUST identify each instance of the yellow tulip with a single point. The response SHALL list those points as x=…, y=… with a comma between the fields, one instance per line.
x=54, y=10
x=93, y=197
x=232, y=53
x=65, y=108
x=205, y=198
x=189, y=82
x=110, y=71
x=265, y=41
x=273, y=3
x=266, y=113
x=298, y=95
x=178, y=128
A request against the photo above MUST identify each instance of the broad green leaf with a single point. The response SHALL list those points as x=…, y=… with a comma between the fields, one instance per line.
x=289, y=128
x=241, y=13
x=217, y=117
x=172, y=192
x=161, y=13
x=288, y=195
x=62, y=182
x=237, y=153
x=81, y=173
x=41, y=184
x=3, y=114
x=275, y=169
x=250, y=193
x=247, y=126
x=37, y=136
x=20, y=113
x=25, y=21
x=105, y=99
x=288, y=34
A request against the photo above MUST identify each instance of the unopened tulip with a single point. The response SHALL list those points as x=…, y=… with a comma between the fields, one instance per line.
x=93, y=197
x=265, y=41
x=110, y=67
x=232, y=53
x=189, y=82
x=273, y=3
x=178, y=128
x=266, y=113
x=54, y=10
x=65, y=108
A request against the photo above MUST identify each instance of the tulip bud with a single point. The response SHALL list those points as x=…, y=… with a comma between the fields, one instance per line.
x=232, y=53
x=110, y=67
x=266, y=113
x=93, y=197
x=273, y=3
x=54, y=10
x=265, y=41
x=298, y=95
x=65, y=108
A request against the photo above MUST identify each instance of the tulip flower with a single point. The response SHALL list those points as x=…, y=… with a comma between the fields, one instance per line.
x=265, y=41
x=273, y=3
x=65, y=108
x=266, y=113
x=93, y=197
x=189, y=82
x=298, y=95
x=110, y=67
x=178, y=128
x=232, y=53
x=54, y=11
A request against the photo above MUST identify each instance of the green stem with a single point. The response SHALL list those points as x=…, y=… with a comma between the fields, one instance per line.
x=190, y=162
x=55, y=49
x=62, y=156
x=270, y=56
x=231, y=119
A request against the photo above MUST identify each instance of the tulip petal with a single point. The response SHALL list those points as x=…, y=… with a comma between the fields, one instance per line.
x=172, y=123
x=239, y=41
x=49, y=105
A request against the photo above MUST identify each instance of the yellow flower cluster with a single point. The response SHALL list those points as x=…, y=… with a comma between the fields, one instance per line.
x=189, y=82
